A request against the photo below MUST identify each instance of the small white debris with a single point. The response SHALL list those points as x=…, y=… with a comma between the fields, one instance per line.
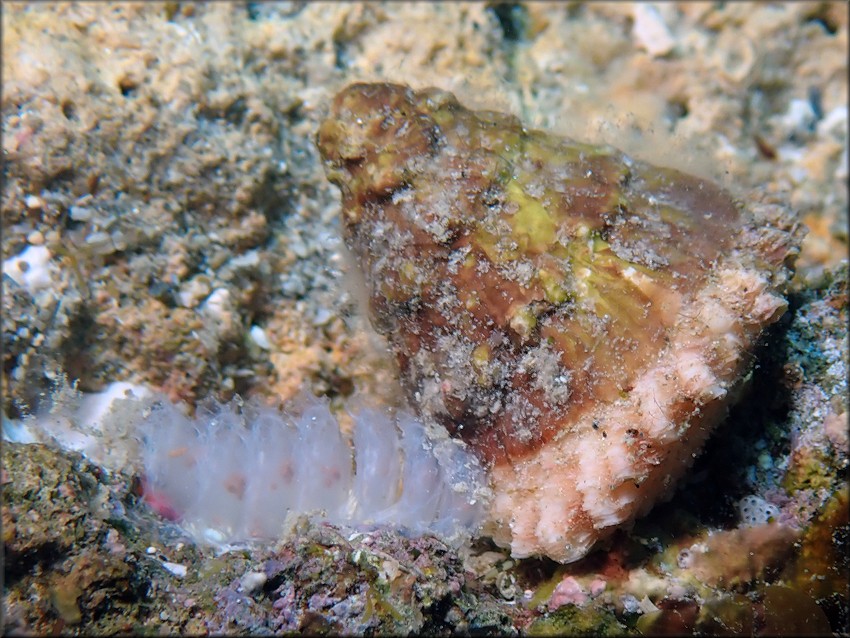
x=248, y=260
x=33, y=202
x=631, y=605
x=218, y=305
x=97, y=424
x=213, y=536
x=299, y=248
x=178, y=570
x=151, y=550
x=31, y=269
x=17, y=431
x=323, y=316
x=194, y=291
x=506, y=584
x=800, y=117
x=650, y=30
x=834, y=122
x=98, y=239
x=258, y=335
x=647, y=606
x=252, y=581
x=80, y=213
x=390, y=570
x=96, y=406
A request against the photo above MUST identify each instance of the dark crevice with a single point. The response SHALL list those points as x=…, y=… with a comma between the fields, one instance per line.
x=513, y=19
x=711, y=490
x=20, y=564
x=127, y=87
x=69, y=110
x=60, y=178
x=165, y=292
x=822, y=17
x=253, y=11
x=266, y=10
x=234, y=113
x=340, y=55
x=76, y=349
x=816, y=102
x=677, y=109
x=271, y=197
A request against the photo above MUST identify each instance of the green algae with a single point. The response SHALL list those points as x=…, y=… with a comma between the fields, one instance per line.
x=570, y=620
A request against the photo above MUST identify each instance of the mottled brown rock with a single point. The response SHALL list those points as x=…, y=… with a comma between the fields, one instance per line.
x=576, y=315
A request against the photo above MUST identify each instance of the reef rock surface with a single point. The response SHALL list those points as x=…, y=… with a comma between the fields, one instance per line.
x=579, y=317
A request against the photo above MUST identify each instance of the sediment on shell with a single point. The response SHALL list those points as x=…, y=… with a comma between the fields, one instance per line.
x=577, y=316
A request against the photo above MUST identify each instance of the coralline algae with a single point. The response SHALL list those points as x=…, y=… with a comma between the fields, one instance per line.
x=579, y=317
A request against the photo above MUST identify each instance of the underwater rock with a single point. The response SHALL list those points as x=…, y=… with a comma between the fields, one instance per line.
x=579, y=317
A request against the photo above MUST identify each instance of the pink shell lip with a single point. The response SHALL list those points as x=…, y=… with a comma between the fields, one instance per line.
x=616, y=463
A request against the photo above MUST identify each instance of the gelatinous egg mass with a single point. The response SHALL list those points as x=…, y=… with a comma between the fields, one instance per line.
x=577, y=316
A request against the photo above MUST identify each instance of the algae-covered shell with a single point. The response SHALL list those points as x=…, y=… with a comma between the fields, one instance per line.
x=577, y=316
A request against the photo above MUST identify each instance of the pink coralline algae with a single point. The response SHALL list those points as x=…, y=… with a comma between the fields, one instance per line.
x=579, y=317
